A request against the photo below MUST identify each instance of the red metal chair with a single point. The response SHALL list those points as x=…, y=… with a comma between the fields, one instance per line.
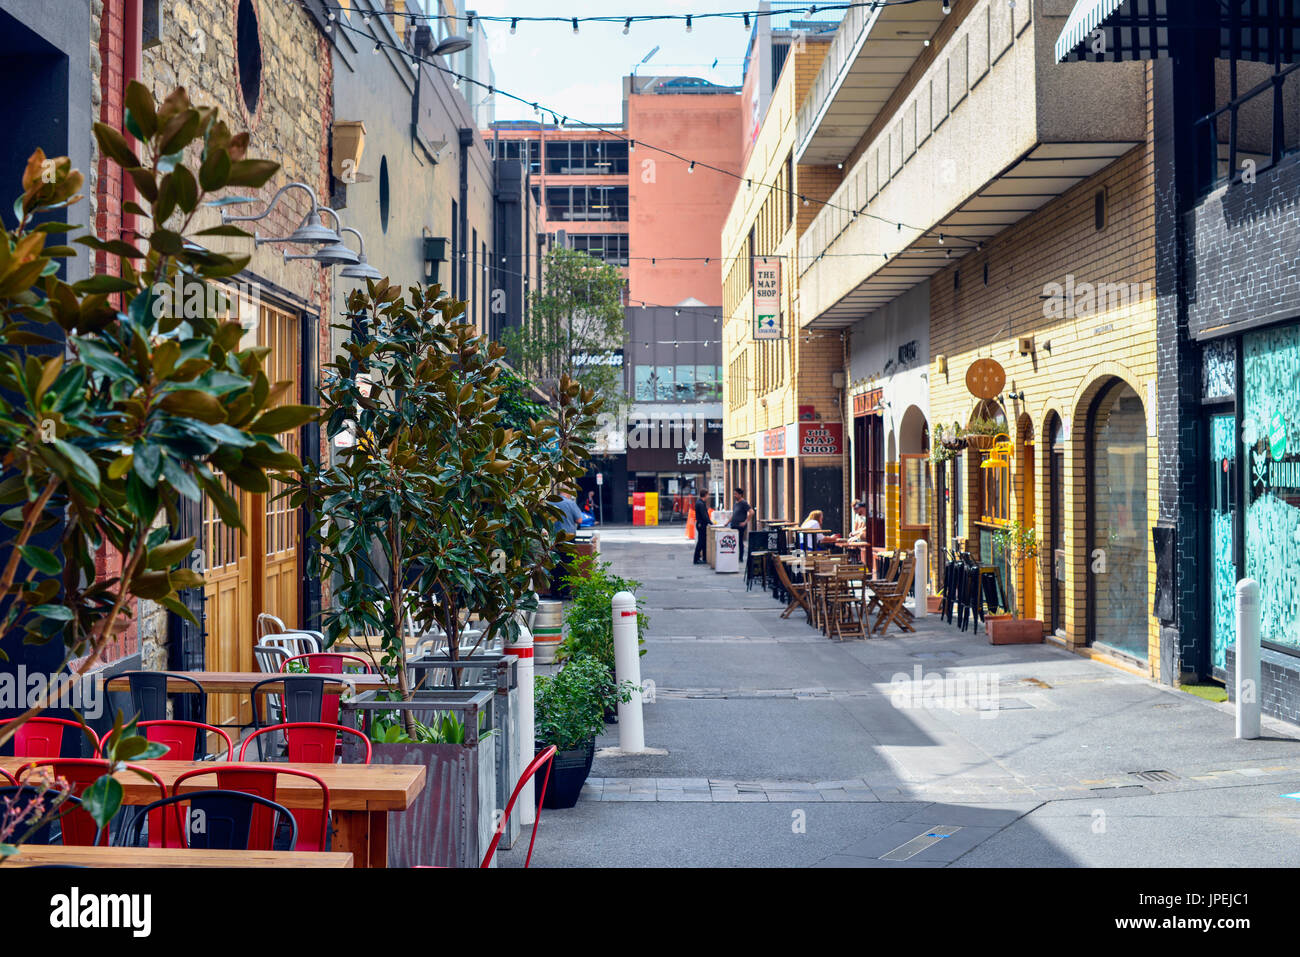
x=43, y=737
x=79, y=828
x=184, y=739
x=7, y=778
x=309, y=742
x=260, y=780
x=545, y=758
x=330, y=663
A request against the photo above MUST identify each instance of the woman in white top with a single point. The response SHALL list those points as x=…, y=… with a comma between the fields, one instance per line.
x=814, y=520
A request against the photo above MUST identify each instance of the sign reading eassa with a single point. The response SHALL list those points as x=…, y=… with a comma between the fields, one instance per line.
x=767, y=298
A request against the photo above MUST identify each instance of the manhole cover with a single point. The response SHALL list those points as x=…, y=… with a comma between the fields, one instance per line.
x=1154, y=775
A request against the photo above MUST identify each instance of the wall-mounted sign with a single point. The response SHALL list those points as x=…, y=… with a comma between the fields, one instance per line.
x=774, y=442
x=825, y=438
x=609, y=357
x=767, y=298
x=985, y=378
x=741, y=444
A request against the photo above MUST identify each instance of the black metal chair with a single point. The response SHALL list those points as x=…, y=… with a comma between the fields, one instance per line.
x=149, y=696
x=216, y=819
x=23, y=796
x=756, y=568
x=301, y=699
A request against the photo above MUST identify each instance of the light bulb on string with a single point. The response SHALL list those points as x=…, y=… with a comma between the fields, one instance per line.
x=575, y=26
x=691, y=168
x=627, y=26
x=514, y=25
x=688, y=23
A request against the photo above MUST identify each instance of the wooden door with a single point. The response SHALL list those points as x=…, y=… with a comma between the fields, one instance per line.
x=1029, y=603
x=256, y=570
x=228, y=594
x=278, y=529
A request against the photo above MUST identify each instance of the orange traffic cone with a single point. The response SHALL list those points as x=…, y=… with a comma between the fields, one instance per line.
x=690, y=525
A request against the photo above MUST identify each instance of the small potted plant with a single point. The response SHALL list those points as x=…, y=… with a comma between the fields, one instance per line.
x=952, y=439
x=1019, y=543
x=569, y=709
x=589, y=624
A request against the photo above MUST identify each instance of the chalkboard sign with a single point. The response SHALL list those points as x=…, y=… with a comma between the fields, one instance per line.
x=1163, y=539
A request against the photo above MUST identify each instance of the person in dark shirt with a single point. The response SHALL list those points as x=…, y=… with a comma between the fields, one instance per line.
x=702, y=522
x=740, y=519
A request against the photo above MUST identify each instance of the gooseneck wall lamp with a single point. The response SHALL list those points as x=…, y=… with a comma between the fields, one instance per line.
x=360, y=269
x=311, y=232
x=330, y=254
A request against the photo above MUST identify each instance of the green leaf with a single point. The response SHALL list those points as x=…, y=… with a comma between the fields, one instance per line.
x=54, y=612
x=215, y=171
x=102, y=800
x=42, y=560
x=81, y=462
x=168, y=554
x=195, y=404
x=284, y=417
x=140, y=109
x=114, y=146
x=104, y=283
x=251, y=173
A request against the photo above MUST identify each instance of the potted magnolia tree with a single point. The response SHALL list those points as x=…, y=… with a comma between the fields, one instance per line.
x=1019, y=544
x=433, y=509
x=139, y=406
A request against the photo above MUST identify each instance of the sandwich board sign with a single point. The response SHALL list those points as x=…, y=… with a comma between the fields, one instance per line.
x=767, y=298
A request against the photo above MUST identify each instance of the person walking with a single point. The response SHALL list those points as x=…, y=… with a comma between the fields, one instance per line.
x=740, y=513
x=702, y=522
x=567, y=526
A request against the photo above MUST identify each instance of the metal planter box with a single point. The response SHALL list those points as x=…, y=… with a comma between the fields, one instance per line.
x=450, y=824
x=499, y=673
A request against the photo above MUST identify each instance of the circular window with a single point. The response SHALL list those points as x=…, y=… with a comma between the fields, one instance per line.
x=248, y=46
x=383, y=193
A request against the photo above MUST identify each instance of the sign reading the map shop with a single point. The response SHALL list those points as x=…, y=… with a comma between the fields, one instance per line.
x=767, y=298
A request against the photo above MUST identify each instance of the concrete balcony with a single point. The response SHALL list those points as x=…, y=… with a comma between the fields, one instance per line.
x=873, y=49
x=991, y=131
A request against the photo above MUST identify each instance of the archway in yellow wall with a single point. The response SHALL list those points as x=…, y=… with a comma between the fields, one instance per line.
x=1025, y=482
x=914, y=479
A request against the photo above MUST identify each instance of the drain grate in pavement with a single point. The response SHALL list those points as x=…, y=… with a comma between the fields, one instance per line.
x=936, y=654
x=919, y=843
x=1154, y=775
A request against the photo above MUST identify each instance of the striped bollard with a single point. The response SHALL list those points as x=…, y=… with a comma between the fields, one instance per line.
x=522, y=648
x=627, y=667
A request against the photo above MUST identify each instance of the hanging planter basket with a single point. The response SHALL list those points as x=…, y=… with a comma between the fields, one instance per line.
x=982, y=442
x=954, y=445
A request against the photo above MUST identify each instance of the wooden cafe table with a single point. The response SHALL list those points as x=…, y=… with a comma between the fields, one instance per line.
x=361, y=795
x=58, y=856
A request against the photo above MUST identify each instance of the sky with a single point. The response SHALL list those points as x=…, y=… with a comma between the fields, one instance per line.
x=580, y=76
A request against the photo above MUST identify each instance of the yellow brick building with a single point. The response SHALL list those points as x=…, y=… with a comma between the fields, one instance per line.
x=773, y=388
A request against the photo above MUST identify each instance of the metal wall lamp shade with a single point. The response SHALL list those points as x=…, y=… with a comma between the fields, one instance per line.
x=360, y=269
x=451, y=44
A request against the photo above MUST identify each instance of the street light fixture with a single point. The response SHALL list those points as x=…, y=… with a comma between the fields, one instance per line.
x=331, y=254
x=452, y=44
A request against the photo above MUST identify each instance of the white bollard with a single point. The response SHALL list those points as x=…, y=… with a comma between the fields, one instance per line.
x=1246, y=691
x=522, y=648
x=627, y=667
x=921, y=579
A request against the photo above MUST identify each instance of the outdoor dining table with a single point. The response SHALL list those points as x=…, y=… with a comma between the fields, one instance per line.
x=56, y=855
x=361, y=795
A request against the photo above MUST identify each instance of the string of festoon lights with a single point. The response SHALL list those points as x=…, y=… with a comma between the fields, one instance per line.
x=560, y=118
x=694, y=312
x=745, y=18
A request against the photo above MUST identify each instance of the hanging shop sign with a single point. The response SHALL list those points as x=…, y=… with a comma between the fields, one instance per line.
x=985, y=378
x=767, y=298
x=825, y=438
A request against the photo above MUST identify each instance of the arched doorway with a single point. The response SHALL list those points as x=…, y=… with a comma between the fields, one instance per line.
x=1053, y=538
x=1117, y=520
x=1027, y=590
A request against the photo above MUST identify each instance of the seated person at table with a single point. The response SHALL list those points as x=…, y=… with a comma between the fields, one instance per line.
x=813, y=521
x=859, y=532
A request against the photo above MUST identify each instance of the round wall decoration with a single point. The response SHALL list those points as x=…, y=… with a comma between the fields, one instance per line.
x=985, y=378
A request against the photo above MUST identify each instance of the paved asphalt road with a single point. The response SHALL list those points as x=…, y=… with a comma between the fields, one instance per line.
x=931, y=749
